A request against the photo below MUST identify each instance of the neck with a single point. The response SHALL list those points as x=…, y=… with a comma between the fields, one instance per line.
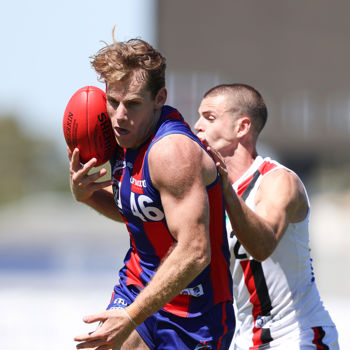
x=151, y=128
x=240, y=161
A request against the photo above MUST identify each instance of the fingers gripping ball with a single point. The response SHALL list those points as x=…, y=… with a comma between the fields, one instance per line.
x=86, y=125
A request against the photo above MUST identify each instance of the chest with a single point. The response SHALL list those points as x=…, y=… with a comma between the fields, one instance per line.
x=136, y=198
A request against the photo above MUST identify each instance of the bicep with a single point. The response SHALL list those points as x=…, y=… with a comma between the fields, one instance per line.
x=188, y=213
x=279, y=200
x=181, y=185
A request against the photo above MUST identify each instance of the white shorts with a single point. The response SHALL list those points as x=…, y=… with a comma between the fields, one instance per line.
x=316, y=338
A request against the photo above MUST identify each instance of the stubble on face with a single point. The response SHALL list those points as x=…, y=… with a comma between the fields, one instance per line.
x=133, y=114
x=219, y=115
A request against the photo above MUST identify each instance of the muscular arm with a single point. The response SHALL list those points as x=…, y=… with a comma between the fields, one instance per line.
x=103, y=201
x=280, y=200
x=86, y=189
x=180, y=171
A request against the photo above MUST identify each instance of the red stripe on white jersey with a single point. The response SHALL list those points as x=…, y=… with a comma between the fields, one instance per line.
x=250, y=283
x=259, y=297
x=264, y=168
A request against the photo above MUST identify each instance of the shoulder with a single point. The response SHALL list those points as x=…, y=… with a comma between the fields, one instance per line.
x=177, y=160
x=282, y=178
x=285, y=188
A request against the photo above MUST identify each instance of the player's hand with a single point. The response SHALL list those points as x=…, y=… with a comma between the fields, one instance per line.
x=220, y=164
x=82, y=184
x=114, y=329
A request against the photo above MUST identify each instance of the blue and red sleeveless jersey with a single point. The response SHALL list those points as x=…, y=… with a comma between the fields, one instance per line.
x=140, y=204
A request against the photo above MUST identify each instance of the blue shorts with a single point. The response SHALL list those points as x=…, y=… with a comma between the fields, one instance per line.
x=162, y=330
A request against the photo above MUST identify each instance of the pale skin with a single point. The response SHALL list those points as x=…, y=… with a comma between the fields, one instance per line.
x=181, y=183
x=280, y=198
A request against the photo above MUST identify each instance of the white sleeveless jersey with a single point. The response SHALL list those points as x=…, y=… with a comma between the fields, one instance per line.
x=277, y=297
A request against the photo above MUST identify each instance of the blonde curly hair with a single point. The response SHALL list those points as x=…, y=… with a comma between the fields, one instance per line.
x=120, y=60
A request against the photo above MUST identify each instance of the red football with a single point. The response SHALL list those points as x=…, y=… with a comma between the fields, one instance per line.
x=86, y=125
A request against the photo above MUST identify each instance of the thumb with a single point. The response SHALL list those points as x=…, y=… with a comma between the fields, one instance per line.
x=95, y=318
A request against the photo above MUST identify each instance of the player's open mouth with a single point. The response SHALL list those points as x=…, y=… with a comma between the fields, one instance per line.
x=121, y=131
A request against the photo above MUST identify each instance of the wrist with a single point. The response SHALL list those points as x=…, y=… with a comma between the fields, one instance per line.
x=226, y=185
x=136, y=313
x=132, y=321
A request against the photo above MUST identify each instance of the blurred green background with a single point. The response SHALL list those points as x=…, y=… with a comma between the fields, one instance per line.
x=30, y=165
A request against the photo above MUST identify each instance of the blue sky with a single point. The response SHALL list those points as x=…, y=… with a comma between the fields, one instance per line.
x=45, y=50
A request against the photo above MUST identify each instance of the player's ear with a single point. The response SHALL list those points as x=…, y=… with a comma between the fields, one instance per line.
x=244, y=126
x=160, y=98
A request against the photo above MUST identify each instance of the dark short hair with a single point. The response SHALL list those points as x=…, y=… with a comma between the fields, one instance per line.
x=247, y=101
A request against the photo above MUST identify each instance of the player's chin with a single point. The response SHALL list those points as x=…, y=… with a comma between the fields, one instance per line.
x=123, y=143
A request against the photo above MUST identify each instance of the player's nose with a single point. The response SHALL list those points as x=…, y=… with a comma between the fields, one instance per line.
x=120, y=113
x=198, y=125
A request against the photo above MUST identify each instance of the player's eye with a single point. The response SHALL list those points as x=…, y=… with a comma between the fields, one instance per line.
x=133, y=103
x=114, y=103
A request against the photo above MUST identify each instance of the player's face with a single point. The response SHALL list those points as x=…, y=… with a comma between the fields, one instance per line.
x=217, y=124
x=133, y=111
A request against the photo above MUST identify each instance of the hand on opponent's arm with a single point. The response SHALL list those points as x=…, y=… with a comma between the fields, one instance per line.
x=280, y=200
x=86, y=189
x=221, y=166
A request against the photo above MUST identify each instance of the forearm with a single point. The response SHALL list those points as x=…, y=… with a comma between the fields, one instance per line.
x=180, y=268
x=103, y=202
x=254, y=233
